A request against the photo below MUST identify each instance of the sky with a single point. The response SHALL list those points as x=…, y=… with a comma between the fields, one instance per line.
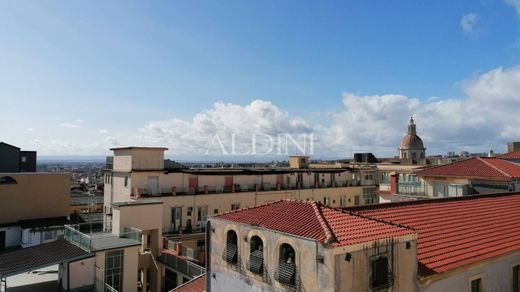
x=81, y=77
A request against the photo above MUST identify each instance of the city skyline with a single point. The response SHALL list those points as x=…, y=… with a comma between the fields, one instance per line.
x=78, y=79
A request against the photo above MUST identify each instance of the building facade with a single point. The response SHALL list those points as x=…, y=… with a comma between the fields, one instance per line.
x=191, y=195
x=34, y=208
x=454, y=244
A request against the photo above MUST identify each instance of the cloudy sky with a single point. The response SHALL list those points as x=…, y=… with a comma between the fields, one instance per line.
x=77, y=78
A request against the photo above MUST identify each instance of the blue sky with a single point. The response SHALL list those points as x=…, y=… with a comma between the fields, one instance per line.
x=79, y=77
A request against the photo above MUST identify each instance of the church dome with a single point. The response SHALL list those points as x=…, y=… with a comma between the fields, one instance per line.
x=411, y=140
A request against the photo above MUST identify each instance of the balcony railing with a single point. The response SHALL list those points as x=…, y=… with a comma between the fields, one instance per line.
x=181, y=265
x=236, y=188
x=91, y=237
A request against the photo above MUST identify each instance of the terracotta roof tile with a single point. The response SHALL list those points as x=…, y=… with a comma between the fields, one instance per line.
x=195, y=285
x=458, y=231
x=312, y=220
x=510, y=155
x=475, y=167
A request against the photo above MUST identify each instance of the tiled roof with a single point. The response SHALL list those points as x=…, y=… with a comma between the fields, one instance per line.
x=31, y=258
x=456, y=232
x=475, y=167
x=312, y=220
x=510, y=155
x=195, y=285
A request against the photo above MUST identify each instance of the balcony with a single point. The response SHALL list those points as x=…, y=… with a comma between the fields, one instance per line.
x=181, y=265
x=138, y=193
x=91, y=237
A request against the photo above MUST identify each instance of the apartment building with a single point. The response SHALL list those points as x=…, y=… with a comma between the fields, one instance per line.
x=454, y=244
x=93, y=258
x=476, y=175
x=190, y=195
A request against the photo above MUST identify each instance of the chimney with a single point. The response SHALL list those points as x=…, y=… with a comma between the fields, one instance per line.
x=394, y=180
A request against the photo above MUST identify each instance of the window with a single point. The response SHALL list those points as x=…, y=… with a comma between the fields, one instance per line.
x=256, y=256
x=126, y=181
x=114, y=269
x=48, y=235
x=516, y=278
x=202, y=213
x=326, y=200
x=380, y=273
x=356, y=200
x=235, y=206
x=215, y=211
x=24, y=159
x=231, y=253
x=286, y=265
x=476, y=285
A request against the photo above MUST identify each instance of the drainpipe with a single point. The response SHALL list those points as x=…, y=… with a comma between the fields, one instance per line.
x=317, y=266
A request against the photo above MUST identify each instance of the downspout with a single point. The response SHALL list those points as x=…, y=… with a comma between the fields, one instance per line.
x=208, y=256
x=317, y=266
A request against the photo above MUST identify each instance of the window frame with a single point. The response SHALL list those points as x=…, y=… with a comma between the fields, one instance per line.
x=260, y=243
x=294, y=279
x=235, y=260
x=114, y=271
x=513, y=266
x=474, y=278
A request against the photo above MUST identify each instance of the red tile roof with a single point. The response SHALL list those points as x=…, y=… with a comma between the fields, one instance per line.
x=315, y=221
x=195, y=285
x=455, y=232
x=510, y=155
x=485, y=167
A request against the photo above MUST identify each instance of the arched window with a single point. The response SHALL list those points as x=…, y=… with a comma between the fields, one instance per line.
x=231, y=254
x=7, y=180
x=256, y=256
x=287, y=265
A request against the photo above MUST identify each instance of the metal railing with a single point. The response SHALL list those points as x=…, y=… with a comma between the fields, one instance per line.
x=218, y=189
x=182, y=266
x=88, y=235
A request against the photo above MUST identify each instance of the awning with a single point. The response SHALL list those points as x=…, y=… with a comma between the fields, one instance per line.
x=43, y=255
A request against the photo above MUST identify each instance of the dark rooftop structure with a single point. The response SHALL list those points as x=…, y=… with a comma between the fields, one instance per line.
x=12, y=159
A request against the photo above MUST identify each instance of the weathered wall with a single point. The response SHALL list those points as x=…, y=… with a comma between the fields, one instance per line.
x=311, y=275
x=355, y=275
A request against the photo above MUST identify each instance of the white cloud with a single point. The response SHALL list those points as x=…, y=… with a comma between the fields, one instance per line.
x=102, y=131
x=72, y=124
x=227, y=121
x=515, y=4
x=468, y=22
x=30, y=129
x=483, y=117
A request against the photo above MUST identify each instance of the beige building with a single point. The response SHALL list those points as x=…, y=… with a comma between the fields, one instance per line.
x=477, y=175
x=34, y=207
x=454, y=244
x=317, y=249
x=190, y=195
